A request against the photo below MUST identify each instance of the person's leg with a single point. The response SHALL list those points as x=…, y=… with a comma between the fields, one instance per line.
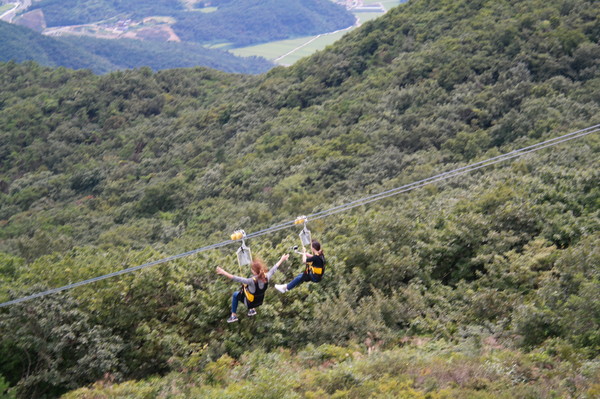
x=292, y=284
x=296, y=282
x=234, y=302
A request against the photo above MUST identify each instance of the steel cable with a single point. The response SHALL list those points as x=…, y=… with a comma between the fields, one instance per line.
x=334, y=210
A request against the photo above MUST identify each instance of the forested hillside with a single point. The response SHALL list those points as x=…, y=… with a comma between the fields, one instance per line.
x=101, y=56
x=258, y=21
x=238, y=23
x=484, y=286
x=77, y=12
x=21, y=44
x=129, y=54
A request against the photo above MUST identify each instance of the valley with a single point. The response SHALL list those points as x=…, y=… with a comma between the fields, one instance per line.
x=160, y=28
x=13, y=8
x=286, y=52
x=446, y=154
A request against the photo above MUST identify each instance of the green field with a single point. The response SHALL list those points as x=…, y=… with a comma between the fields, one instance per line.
x=5, y=7
x=208, y=9
x=218, y=46
x=386, y=3
x=287, y=52
x=297, y=48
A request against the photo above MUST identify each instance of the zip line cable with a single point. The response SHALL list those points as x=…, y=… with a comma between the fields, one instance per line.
x=489, y=161
x=443, y=176
x=501, y=157
x=334, y=210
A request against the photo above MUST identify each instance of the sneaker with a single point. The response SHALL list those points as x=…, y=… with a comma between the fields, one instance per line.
x=232, y=319
x=252, y=312
x=281, y=287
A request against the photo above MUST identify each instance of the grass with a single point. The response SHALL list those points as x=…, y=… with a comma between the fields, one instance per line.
x=427, y=369
x=298, y=48
x=5, y=7
x=275, y=50
x=387, y=4
x=207, y=10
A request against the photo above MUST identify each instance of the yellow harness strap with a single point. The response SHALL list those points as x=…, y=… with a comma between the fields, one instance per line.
x=249, y=295
x=312, y=269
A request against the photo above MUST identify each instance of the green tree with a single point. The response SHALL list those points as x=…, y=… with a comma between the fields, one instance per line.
x=50, y=346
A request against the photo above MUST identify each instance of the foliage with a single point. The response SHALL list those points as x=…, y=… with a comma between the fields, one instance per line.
x=5, y=392
x=233, y=22
x=101, y=173
x=77, y=12
x=102, y=55
x=253, y=21
x=51, y=346
x=417, y=370
x=126, y=54
x=20, y=44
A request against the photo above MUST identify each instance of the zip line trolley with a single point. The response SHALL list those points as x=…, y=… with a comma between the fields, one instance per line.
x=244, y=256
x=305, y=233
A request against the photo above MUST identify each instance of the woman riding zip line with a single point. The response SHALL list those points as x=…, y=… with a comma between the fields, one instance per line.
x=315, y=268
x=253, y=288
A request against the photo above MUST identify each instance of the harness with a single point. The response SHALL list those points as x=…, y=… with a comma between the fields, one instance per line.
x=254, y=300
x=316, y=271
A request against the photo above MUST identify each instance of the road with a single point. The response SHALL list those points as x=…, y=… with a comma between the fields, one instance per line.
x=20, y=5
x=351, y=5
x=315, y=38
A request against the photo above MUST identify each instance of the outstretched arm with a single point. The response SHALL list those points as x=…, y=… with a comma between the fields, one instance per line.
x=237, y=279
x=274, y=268
x=224, y=273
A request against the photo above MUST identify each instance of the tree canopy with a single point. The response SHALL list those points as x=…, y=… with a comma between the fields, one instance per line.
x=237, y=22
x=485, y=285
x=20, y=44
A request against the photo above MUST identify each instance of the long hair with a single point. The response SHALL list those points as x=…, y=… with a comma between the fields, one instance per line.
x=258, y=268
x=317, y=246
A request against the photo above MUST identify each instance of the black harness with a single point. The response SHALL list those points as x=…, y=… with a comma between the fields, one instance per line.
x=316, y=272
x=254, y=299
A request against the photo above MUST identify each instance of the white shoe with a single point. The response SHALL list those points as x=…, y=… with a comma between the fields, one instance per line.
x=281, y=287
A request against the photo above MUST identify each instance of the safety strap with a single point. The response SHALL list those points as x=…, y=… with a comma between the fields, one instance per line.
x=314, y=269
x=247, y=293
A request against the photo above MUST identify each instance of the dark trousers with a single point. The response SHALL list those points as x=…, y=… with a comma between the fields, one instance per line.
x=302, y=277
x=238, y=297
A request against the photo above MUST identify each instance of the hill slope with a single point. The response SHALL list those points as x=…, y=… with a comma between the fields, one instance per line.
x=99, y=173
x=258, y=21
x=125, y=53
x=20, y=44
x=78, y=12
x=235, y=22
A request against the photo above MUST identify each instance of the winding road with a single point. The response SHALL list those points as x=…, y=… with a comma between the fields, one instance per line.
x=10, y=15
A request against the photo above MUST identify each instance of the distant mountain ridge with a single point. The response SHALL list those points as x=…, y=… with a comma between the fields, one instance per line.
x=21, y=44
x=238, y=23
x=493, y=274
x=81, y=27
x=101, y=55
x=258, y=21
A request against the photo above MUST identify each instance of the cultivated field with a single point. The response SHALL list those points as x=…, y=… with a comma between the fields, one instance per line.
x=6, y=7
x=287, y=52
